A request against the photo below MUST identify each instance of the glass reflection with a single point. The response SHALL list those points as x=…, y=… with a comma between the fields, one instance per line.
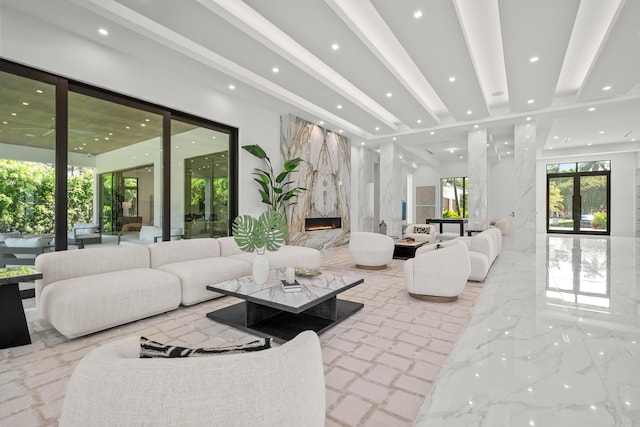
x=578, y=275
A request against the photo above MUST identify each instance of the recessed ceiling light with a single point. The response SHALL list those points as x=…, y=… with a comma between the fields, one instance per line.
x=432, y=133
x=461, y=157
x=592, y=109
x=606, y=88
x=476, y=126
x=394, y=138
x=377, y=127
x=419, y=121
x=556, y=137
x=506, y=143
x=531, y=101
x=362, y=143
x=601, y=132
x=528, y=118
x=232, y=87
x=534, y=59
x=417, y=14
x=275, y=69
x=389, y=94
x=340, y=131
x=469, y=112
x=400, y=156
x=321, y=122
x=335, y=46
x=339, y=107
x=452, y=79
x=103, y=32
x=589, y=144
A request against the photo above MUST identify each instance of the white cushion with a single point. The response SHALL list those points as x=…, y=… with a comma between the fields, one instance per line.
x=439, y=272
x=8, y=234
x=34, y=242
x=83, y=228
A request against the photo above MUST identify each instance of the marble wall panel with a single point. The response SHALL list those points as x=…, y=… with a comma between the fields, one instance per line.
x=478, y=179
x=363, y=198
x=326, y=174
x=525, y=200
x=391, y=195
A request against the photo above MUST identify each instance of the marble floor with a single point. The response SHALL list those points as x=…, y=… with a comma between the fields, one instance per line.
x=554, y=340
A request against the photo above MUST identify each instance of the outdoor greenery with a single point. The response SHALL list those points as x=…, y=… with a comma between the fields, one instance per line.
x=460, y=197
x=27, y=196
x=592, y=191
x=269, y=231
x=275, y=189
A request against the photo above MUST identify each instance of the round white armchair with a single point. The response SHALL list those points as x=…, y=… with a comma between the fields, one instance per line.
x=439, y=272
x=283, y=386
x=371, y=251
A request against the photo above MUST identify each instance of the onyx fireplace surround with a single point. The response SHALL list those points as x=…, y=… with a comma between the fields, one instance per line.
x=313, y=224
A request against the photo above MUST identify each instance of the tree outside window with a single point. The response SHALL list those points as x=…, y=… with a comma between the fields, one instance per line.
x=455, y=197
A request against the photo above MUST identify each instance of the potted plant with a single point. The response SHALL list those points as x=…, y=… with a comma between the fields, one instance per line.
x=275, y=189
x=265, y=233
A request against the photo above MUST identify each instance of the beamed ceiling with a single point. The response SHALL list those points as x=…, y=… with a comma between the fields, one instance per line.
x=423, y=72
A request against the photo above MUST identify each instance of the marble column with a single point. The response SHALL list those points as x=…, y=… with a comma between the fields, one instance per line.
x=525, y=169
x=391, y=189
x=478, y=179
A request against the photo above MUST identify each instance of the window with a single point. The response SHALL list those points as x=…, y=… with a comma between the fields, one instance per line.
x=455, y=197
x=88, y=155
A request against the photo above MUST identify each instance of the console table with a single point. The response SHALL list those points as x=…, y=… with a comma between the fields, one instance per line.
x=13, y=323
x=461, y=221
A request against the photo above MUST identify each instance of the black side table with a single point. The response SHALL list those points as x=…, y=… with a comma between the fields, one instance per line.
x=13, y=323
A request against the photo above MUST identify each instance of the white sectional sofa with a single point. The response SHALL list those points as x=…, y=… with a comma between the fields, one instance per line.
x=85, y=291
x=483, y=248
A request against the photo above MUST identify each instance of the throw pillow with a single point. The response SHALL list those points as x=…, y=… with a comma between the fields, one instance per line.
x=150, y=348
x=421, y=230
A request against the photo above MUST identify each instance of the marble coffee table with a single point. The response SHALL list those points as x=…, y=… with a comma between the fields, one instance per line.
x=267, y=310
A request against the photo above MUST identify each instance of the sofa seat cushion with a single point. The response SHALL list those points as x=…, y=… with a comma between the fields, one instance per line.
x=287, y=256
x=82, y=305
x=196, y=274
x=182, y=250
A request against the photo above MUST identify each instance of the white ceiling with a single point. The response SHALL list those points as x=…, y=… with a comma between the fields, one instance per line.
x=582, y=46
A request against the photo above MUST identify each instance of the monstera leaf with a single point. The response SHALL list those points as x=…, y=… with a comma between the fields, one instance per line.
x=269, y=231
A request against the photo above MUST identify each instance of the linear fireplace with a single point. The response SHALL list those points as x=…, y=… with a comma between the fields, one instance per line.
x=312, y=224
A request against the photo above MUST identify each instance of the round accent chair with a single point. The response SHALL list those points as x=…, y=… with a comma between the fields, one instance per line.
x=282, y=386
x=371, y=251
x=439, y=272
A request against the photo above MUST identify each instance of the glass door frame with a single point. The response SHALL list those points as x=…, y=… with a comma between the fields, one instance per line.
x=576, y=202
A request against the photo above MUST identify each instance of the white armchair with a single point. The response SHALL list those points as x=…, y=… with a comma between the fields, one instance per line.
x=283, y=386
x=501, y=224
x=371, y=251
x=421, y=232
x=84, y=234
x=438, y=273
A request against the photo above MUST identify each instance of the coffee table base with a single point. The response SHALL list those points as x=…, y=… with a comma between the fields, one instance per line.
x=281, y=325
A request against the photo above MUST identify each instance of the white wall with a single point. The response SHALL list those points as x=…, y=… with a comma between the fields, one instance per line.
x=623, y=200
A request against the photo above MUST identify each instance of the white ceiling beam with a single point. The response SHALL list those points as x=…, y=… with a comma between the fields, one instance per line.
x=255, y=25
x=131, y=19
x=368, y=25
